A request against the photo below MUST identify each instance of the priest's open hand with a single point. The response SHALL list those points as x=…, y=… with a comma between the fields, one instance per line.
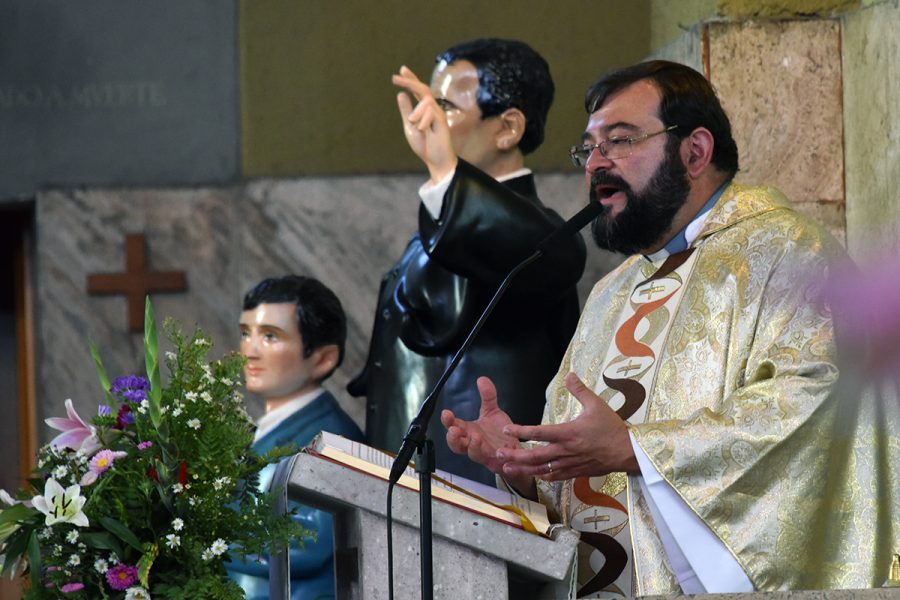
x=482, y=438
x=595, y=443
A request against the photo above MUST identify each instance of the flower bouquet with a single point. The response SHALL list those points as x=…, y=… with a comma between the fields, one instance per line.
x=150, y=497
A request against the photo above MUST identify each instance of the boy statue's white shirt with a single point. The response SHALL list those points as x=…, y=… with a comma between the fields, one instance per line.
x=273, y=419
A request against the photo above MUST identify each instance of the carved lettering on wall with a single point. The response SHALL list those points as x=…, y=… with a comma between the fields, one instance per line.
x=84, y=96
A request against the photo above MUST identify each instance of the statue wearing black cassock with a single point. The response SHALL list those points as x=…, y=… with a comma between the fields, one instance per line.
x=431, y=298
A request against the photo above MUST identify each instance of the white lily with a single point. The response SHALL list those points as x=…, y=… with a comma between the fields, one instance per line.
x=61, y=505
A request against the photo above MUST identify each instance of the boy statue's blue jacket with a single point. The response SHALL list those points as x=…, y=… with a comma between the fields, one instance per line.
x=312, y=567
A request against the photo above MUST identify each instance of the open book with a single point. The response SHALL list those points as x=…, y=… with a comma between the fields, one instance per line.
x=465, y=493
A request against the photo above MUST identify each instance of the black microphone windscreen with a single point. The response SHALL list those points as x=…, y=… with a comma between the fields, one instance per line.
x=576, y=223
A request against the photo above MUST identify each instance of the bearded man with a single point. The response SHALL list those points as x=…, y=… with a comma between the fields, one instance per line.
x=692, y=434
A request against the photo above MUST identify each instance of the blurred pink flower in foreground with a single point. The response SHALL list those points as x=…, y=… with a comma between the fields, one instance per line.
x=867, y=303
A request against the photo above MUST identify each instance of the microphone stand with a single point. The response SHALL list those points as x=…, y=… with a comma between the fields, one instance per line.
x=425, y=468
x=416, y=436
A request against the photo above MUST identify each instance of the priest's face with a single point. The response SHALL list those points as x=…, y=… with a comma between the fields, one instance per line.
x=455, y=87
x=270, y=340
x=642, y=190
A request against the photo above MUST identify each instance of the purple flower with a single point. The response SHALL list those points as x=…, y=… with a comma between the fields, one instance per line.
x=72, y=587
x=103, y=410
x=144, y=445
x=121, y=576
x=131, y=387
x=76, y=434
x=134, y=396
x=131, y=382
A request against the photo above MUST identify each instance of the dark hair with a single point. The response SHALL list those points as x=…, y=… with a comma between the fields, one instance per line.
x=320, y=317
x=510, y=75
x=688, y=100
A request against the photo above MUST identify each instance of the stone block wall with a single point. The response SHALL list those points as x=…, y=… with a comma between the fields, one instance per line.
x=812, y=91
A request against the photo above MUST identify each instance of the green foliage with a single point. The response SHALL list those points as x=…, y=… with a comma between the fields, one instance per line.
x=151, y=359
x=202, y=587
x=101, y=372
x=175, y=494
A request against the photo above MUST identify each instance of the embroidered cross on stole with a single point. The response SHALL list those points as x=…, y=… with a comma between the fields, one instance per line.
x=596, y=506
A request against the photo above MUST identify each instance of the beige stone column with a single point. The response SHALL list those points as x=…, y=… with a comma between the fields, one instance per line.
x=813, y=93
x=780, y=83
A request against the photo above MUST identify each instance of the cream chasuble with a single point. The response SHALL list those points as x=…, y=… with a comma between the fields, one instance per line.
x=722, y=359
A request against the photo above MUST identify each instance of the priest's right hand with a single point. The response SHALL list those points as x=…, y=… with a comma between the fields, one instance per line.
x=482, y=438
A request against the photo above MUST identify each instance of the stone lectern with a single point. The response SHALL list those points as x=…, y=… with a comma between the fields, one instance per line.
x=473, y=554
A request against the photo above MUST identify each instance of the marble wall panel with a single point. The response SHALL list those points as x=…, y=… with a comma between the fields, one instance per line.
x=871, y=65
x=345, y=231
x=81, y=233
x=780, y=82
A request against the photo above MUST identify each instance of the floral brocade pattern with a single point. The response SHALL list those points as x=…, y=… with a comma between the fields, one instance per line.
x=741, y=415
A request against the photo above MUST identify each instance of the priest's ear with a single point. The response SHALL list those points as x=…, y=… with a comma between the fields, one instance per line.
x=512, y=128
x=697, y=151
x=325, y=360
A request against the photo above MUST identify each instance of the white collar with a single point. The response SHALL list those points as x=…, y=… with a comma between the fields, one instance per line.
x=517, y=173
x=274, y=418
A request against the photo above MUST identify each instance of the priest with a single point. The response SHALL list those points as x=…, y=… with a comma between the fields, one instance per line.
x=694, y=432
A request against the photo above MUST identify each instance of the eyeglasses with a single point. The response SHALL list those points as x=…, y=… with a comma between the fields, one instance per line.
x=445, y=104
x=612, y=148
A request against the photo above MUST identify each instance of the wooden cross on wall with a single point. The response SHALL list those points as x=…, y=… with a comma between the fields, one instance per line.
x=136, y=282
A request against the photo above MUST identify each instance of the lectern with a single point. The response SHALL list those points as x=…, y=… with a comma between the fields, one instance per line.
x=473, y=555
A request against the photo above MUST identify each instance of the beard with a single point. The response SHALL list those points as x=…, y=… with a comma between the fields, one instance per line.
x=648, y=214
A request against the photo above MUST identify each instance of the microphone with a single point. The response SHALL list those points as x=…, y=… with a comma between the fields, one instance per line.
x=415, y=435
x=572, y=226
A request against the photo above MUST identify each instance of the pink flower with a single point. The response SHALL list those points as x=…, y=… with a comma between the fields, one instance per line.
x=72, y=587
x=144, y=445
x=10, y=501
x=76, y=434
x=101, y=463
x=121, y=576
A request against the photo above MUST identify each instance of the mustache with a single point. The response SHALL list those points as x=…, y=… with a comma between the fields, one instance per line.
x=602, y=178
